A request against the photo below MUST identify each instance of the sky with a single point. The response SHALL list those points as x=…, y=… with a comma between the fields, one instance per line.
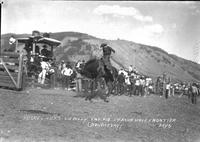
x=173, y=26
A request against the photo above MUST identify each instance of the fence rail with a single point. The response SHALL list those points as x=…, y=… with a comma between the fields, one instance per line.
x=11, y=70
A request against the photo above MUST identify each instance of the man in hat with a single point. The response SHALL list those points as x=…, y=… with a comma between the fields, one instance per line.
x=107, y=50
x=44, y=51
x=61, y=65
x=12, y=43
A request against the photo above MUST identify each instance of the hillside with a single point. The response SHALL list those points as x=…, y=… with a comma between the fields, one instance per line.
x=151, y=61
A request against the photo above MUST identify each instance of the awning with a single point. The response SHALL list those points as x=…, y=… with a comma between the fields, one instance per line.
x=49, y=41
x=43, y=40
x=23, y=40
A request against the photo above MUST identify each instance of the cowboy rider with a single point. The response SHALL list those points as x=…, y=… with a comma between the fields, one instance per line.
x=107, y=50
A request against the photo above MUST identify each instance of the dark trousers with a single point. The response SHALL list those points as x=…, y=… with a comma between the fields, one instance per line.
x=65, y=81
x=85, y=85
x=53, y=80
x=166, y=93
x=79, y=84
x=130, y=89
x=194, y=98
x=120, y=88
x=137, y=90
x=141, y=90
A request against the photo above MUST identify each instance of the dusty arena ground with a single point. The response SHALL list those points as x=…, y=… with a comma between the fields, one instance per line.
x=40, y=115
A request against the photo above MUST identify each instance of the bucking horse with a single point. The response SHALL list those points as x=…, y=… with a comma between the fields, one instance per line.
x=95, y=70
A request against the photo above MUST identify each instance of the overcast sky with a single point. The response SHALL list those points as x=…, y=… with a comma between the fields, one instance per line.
x=172, y=26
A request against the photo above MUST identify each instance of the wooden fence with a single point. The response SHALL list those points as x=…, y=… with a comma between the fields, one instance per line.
x=11, y=70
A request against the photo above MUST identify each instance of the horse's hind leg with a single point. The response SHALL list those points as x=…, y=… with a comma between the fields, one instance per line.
x=103, y=97
x=195, y=98
x=92, y=93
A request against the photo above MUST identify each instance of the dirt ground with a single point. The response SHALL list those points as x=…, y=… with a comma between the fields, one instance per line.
x=56, y=115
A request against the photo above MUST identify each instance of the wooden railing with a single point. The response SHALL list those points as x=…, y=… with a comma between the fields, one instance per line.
x=11, y=70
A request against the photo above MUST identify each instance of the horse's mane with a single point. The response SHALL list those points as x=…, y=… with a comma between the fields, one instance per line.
x=91, y=70
x=90, y=61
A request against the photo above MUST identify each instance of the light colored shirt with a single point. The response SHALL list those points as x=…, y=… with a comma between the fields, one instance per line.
x=168, y=86
x=78, y=64
x=67, y=71
x=124, y=72
x=44, y=65
x=142, y=82
x=61, y=66
x=12, y=40
x=137, y=82
x=127, y=80
x=130, y=69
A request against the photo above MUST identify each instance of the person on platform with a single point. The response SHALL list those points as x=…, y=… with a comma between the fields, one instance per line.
x=45, y=52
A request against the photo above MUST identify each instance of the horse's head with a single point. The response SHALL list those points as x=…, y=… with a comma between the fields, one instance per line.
x=95, y=69
x=90, y=69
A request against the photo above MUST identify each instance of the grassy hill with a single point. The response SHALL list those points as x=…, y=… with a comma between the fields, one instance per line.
x=149, y=60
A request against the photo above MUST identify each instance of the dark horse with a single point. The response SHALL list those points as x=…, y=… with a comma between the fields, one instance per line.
x=95, y=70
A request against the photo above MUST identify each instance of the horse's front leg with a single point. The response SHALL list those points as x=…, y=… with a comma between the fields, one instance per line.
x=92, y=93
x=109, y=88
x=98, y=85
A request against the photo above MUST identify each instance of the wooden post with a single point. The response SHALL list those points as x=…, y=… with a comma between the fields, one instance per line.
x=33, y=81
x=52, y=51
x=20, y=70
x=33, y=49
x=16, y=45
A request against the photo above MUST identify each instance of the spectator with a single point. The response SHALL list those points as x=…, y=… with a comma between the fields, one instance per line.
x=53, y=74
x=46, y=53
x=167, y=91
x=142, y=85
x=12, y=43
x=79, y=82
x=66, y=72
x=37, y=50
x=135, y=70
x=128, y=83
x=42, y=75
x=61, y=65
x=130, y=69
x=12, y=40
x=137, y=86
x=78, y=64
x=120, y=86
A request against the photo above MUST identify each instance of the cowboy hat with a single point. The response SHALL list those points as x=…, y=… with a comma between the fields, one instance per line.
x=103, y=45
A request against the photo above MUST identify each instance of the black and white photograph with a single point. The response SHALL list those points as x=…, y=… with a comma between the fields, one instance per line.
x=99, y=71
